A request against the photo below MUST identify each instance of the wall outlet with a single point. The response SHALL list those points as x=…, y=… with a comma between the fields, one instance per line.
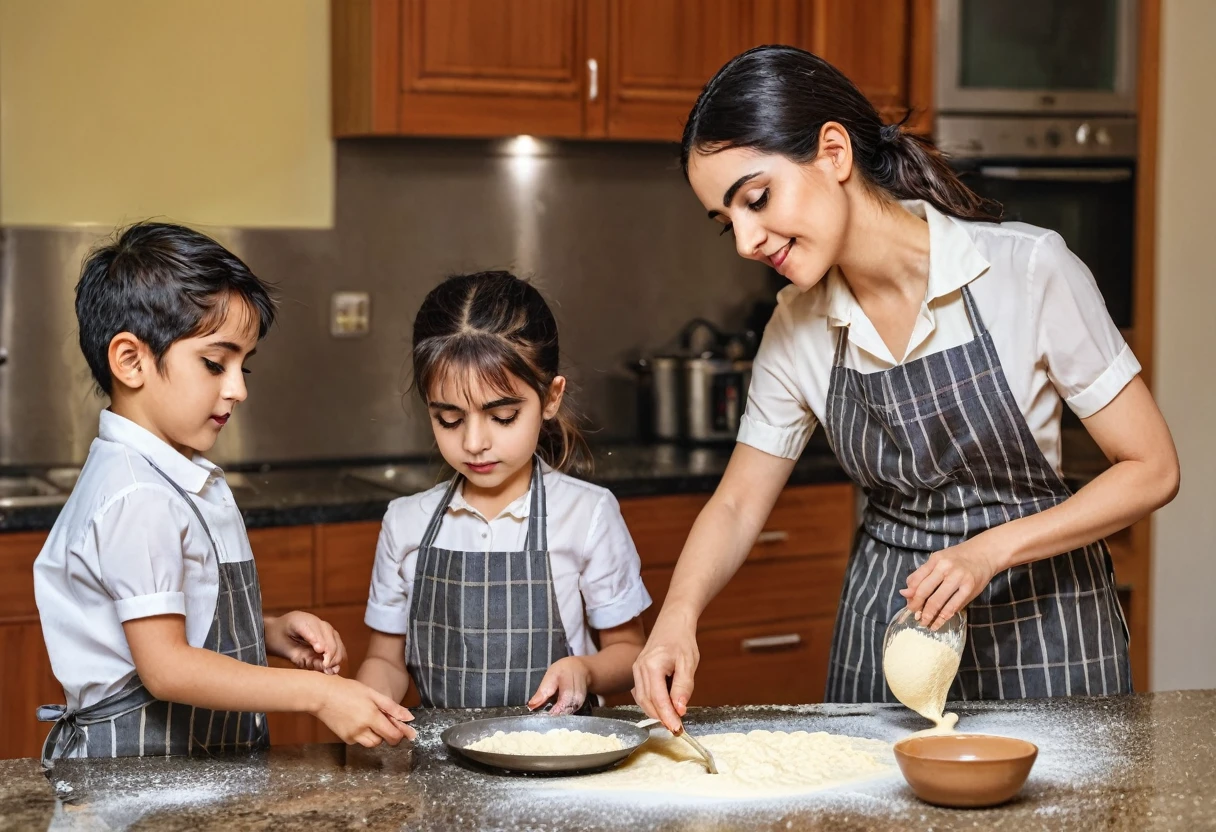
x=350, y=314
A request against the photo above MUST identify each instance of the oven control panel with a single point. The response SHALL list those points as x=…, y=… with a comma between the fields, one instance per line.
x=975, y=137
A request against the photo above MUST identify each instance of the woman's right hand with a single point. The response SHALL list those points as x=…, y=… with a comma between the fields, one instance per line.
x=670, y=652
x=358, y=714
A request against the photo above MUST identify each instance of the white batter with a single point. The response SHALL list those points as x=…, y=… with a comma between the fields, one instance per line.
x=759, y=764
x=559, y=742
x=919, y=671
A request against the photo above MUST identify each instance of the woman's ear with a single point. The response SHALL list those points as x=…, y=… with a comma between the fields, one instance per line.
x=836, y=148
x=128, y=358
x=553, y=401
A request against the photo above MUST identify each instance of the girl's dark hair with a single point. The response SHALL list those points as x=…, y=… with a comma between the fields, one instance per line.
x=162, y=283
x=776, y=99
x=491, y=326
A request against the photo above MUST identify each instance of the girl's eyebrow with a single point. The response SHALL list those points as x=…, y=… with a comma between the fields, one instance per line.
x=505, y=401
x=445, y=406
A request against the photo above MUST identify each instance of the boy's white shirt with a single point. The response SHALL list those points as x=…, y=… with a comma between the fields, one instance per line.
x=126, y=546
x=596, y=570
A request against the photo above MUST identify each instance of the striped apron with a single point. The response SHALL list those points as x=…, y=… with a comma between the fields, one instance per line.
x=134, y=723
x=484, y=626
x=942, y=452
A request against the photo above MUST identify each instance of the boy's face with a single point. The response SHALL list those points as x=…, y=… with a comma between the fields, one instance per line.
x=490, y=435
x=200, y=382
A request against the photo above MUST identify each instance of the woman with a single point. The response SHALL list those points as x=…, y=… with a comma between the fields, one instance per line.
x=935, y=346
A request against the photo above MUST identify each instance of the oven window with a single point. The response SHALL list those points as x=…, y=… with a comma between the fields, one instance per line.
x=1096, y=220
x=1054, y=45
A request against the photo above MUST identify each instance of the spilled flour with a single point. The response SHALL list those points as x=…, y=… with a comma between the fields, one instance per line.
x=919, y=670
x=755, y=765
x=559, y=742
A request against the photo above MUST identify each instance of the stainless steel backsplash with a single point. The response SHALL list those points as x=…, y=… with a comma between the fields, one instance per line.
x=611, y=233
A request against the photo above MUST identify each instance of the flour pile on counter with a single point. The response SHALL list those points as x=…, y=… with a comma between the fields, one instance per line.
x=919, y=670
x=758, y=764
x=559, y=742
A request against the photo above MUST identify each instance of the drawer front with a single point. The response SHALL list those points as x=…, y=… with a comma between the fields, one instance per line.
x=345, y=554
x=783, y=663
x=17, y=553
x=285, y=566
x=762, y=591
x=806, y=520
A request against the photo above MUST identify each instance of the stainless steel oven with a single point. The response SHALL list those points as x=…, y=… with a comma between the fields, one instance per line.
x=1037, y=56
x=1075, y=176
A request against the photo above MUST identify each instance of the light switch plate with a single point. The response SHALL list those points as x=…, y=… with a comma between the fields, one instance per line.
x=350, y=314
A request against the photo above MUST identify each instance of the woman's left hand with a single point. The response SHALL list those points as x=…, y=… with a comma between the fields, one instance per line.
x=306, y=641
x=950, y=580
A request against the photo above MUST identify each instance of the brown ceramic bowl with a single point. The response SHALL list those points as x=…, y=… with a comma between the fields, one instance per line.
x=965, y=770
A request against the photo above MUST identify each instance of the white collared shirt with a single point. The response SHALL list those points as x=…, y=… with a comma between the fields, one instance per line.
x=127, y=546
x=1053, y=335
x=596, y=570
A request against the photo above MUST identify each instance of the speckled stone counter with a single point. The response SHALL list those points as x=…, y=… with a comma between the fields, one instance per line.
x=1144, y=762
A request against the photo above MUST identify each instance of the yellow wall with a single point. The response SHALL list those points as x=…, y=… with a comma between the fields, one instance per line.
x=1184, y=532
x=211, y=112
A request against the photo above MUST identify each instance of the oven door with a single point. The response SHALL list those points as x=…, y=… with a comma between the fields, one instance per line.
x=1037, y=56
x=1092, y=208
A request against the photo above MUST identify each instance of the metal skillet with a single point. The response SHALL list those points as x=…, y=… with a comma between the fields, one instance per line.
x=460, y=736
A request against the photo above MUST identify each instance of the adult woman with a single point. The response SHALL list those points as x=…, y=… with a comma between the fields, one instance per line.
x=936, y=346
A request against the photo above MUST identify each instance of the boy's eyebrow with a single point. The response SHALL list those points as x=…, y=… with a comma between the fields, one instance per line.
x=231, y=347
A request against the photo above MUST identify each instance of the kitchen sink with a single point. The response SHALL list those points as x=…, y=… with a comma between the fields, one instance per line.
x=19, y=492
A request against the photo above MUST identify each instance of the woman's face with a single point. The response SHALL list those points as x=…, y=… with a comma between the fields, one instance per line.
x=790, y=216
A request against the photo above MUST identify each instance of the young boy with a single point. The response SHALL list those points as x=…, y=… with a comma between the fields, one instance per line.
x=146, y=587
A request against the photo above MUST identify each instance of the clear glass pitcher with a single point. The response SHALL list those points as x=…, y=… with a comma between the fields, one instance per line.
x=952, y=633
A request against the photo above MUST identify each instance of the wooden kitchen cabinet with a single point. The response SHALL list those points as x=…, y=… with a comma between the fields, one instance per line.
x=661, y=53
x=617, y=69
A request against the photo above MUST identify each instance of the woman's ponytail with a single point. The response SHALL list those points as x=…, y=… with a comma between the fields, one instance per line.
x=776, y=99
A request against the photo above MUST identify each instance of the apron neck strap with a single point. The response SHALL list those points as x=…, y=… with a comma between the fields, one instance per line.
x=193, y=506
x=973, y=312
x=538, y=537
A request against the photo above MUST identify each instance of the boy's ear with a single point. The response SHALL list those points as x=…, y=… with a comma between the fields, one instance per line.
x=129, y=359
x=553, y=402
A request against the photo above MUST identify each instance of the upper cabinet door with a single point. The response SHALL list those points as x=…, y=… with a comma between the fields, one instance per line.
x=884, y=46
x=662, y=52
x=493, y=67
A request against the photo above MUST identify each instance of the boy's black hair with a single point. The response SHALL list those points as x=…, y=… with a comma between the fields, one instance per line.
x=162, y=283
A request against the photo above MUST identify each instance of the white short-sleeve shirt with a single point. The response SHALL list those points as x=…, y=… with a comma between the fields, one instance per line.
x=596, y=570
x=127, y=546
x=1052, y=332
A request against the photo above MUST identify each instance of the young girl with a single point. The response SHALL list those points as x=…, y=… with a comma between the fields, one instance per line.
x=486, y=590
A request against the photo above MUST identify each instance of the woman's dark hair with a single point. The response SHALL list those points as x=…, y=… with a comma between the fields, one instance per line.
x=776, y=99
x=162, y=283
x=491, y=326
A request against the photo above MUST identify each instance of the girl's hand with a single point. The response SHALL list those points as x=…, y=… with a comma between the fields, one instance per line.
x=566, y=678
x=950, y=580
x=306, y=641
x=358, y=714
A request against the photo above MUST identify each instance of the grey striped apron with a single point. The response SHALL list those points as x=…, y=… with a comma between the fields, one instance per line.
x=134, y=723
x=484, y=626
x=943, y=453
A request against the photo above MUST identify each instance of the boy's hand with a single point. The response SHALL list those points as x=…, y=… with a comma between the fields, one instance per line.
x=306, y=641
x=358, y=714
x=568, y=678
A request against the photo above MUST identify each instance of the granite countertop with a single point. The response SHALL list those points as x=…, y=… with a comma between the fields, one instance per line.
x=336, y=493
x=1142, y=762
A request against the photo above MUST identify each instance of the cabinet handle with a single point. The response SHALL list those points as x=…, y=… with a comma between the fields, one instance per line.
x=593, y=83
x=751, y=645
x=773, y=536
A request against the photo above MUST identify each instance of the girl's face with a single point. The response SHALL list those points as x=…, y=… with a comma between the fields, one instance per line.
x=791, y=216
x=490, y=435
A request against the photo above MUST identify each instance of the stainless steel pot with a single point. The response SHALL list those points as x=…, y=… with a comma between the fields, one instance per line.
x=662, y=397
x=715, y=391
